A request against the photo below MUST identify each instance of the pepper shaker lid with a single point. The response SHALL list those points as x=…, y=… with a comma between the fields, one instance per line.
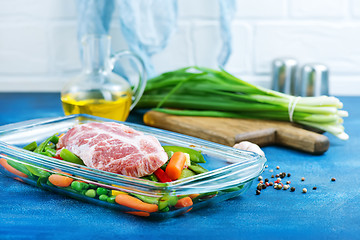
x=314, y=80
x=284, y=75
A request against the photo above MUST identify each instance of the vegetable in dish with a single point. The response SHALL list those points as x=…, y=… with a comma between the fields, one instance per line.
x=181, y=163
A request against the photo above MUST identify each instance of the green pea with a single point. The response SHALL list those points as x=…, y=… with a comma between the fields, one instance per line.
x=111, y=199
x=93, y=186
x=84, y=185
x=76, y=186
x=90, y=193
x=102, y=191
x=103, y=197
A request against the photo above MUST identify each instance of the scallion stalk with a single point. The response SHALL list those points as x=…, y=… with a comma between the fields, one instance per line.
x=198, y=91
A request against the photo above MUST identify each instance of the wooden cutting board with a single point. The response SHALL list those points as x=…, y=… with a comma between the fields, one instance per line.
x=228, y=131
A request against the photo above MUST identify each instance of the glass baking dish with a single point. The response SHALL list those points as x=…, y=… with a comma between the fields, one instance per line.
x=231, y=171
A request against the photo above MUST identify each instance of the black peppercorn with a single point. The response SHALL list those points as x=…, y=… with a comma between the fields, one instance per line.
x=292, y=189
x=258, y=192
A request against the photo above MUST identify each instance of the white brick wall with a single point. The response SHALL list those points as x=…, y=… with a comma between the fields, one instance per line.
x=39, y=49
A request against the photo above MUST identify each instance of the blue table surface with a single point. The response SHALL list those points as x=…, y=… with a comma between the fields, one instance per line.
x=332, y=211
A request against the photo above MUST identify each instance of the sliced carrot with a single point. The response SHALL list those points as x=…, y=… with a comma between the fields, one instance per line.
x=184, y=202
x=19, y=179
x=132, y=202
x=9, y=168
x=188, y=210
x=175, y=165
x=194, y=195
x=142, y=214
x=60, y=181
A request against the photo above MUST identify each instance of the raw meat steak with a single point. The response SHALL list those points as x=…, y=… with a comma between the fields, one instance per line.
x=114, y=147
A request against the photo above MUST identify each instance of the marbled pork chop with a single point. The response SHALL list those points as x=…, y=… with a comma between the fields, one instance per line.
x=114, y=147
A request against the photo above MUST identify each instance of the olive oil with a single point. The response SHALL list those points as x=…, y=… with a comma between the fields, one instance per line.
x=97, y=90
x=115, y=106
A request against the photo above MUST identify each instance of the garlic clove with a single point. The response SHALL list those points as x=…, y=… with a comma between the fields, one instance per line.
x=248, y=146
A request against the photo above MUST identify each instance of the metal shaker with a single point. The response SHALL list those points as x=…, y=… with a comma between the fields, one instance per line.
x=284, y=75
x=314, y=80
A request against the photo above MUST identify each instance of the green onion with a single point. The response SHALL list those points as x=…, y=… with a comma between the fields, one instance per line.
x=199, y=91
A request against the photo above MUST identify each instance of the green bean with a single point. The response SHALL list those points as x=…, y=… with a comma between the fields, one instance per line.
x=162, y=205
x=197, y=168
x=31, y=146
x=169, y=153
x=195, y=156
x=49, y=183
x=151, y=177
x=163, y=167
x=50, y=151
x=166, y=209
x=70, y=157
x=54, y=139
x=46, y=154
x=19, y=167
x=233, y=189
x=51, y=146
x=185, y=173
x=42, y=146
x=38, y=172
x=204, y=196
x=147, y=199
x=167, y=201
